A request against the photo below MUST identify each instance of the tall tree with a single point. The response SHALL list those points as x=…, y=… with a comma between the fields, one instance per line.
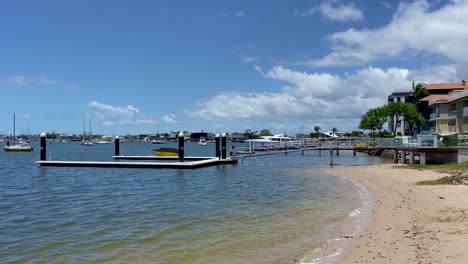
x=419, y=91
x=412, y=116
x=265, y=132
x=396, y=109
x=334, y=130
x=374, y=119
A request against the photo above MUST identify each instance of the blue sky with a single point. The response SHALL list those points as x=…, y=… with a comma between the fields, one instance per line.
x=287, y=66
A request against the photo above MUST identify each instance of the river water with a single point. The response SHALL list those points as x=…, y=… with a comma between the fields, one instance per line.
x=266, y=209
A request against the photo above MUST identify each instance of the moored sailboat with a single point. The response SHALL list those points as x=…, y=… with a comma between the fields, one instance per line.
x=22, y=147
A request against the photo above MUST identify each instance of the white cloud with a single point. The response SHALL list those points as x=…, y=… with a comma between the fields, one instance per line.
x=332, y=100
x=170, y=119
x=415, y=30
x=334, y=10
x=23, y=82
x=121, y=115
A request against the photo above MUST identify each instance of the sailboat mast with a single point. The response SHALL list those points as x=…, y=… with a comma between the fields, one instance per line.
x=14, y=129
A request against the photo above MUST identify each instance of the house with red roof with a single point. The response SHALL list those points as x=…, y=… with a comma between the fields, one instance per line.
x=448, y=108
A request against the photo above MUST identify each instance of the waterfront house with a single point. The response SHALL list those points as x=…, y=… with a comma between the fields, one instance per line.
x=449, y=113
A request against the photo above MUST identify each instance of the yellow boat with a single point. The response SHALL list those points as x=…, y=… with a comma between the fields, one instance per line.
x=166, y=152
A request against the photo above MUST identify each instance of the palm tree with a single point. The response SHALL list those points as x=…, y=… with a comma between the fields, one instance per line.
x=420, y=91
x=334, y=130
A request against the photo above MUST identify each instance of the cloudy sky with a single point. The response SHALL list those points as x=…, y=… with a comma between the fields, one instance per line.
x=154, y=66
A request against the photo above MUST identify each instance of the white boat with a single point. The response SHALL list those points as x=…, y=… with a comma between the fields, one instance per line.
x=158, y=141
x=102, y=142
x=88, y=143
x=271, y=140
x=202, y=142
x=21, y=147
x=84, y=141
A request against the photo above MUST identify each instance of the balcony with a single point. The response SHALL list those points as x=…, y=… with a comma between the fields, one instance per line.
x=434, y=115
x=452, y=129
x=452, y=114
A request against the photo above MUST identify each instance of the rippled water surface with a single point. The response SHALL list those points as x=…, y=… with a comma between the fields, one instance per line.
x=263, y=210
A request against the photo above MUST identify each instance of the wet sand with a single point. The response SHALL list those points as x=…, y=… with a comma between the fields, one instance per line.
x=409, y=223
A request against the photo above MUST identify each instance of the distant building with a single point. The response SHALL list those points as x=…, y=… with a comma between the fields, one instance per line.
x=443, y=108
x=197, y=135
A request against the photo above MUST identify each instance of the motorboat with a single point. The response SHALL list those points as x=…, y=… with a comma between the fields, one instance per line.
x=102, y=142
x=202, y=142
x=158, y=141
x=166, y=152
x=271, y=140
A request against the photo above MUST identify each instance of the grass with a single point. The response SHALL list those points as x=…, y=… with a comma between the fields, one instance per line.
x=458, y=173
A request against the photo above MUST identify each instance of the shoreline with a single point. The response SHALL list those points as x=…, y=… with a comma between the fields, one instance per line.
x=408, y=223
x=353, y=225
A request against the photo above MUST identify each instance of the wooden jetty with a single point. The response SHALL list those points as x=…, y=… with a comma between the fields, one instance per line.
x=180, y=162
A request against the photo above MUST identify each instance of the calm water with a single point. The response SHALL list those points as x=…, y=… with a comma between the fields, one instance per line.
x=267, y=209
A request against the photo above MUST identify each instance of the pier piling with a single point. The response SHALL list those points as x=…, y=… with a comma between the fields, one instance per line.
x=181, y=147
x=43, y=146
x=223, y=146
x=395, y=156
x=217, y=146
x=117, y=146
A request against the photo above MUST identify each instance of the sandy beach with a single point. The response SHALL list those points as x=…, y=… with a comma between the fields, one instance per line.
x=409, y=223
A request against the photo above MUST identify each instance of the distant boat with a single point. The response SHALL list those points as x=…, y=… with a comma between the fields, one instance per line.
x=166, y=152
x=158, y=141
x=87, y=143
x=22, y=147
x=102, y=142
x=202, y=142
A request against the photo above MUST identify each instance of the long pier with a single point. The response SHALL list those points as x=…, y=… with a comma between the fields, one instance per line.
x=147, y=165
x=179, y=162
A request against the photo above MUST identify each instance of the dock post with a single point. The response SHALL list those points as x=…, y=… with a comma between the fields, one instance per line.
x=331, y=157
x=354, y=152
x=217, y=147
x=411, y=157
x=117, y=146
x=302, y=146
x=403, y=156
x=223, y=146
x=43, y=147
x=422, y=158
x=395, y=156
x=181, y=147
